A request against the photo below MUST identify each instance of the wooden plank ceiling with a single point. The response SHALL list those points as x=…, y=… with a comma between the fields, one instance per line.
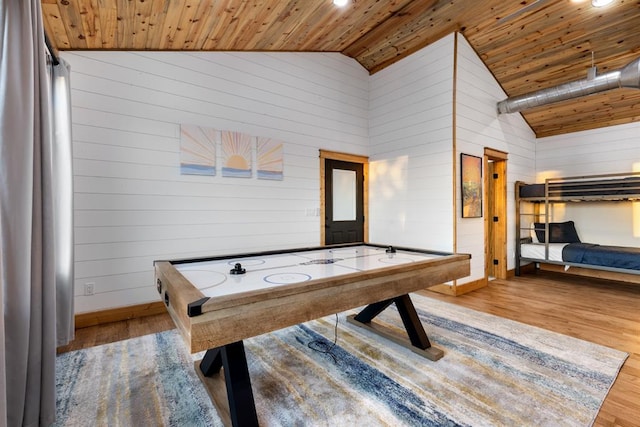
x=527, y=44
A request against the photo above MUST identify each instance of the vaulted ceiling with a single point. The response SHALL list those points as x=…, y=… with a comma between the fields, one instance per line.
x=526, y=44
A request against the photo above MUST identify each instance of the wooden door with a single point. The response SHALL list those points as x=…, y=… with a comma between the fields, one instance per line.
x=496, y=219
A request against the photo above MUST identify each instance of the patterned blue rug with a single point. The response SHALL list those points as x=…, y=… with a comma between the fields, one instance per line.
x=495, y=372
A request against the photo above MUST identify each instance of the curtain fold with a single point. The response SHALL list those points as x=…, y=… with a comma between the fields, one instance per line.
x=27, y=219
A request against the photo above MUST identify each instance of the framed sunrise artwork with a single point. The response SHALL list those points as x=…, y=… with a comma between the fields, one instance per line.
x=471, y=185
x=269, y=155
x=197, y=150
x=236, y=154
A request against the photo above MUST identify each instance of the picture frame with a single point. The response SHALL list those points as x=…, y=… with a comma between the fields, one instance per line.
x=471, y=185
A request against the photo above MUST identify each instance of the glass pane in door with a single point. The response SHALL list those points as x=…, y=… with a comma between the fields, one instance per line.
x=344, y=195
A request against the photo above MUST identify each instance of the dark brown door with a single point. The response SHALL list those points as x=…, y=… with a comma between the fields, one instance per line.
x=344, y=201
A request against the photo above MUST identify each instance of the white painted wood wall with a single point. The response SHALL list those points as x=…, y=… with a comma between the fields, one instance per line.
x=132, y=206
x=478, y=125
x=411, y=160
x=413, y=163
x=613, y=149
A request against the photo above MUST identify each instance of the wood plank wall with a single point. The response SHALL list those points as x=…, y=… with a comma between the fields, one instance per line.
x=614, y=149
x=478, y=126
x=132, y=206
x=411, y=121
x=410, y=165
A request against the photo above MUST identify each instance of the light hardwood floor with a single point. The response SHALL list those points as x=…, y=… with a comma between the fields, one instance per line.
x=599, y=311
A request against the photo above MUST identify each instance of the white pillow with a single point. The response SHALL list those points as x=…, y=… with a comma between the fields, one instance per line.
x=534, y=236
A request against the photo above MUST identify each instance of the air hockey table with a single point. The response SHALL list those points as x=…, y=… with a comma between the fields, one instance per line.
x=217, y=302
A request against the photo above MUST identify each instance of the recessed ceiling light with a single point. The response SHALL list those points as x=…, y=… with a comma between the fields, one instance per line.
x=340, y=3
x=600, y=3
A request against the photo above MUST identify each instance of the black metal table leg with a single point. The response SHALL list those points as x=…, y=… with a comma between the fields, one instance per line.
x=232, y=357
x=419, y=341
x=211, y=362
x=372, y=310
x=411, y=322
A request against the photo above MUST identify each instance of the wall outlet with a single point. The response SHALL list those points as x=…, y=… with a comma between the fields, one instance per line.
x=312, y=212
x=88, y=288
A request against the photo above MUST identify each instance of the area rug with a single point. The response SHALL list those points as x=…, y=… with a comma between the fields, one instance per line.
x=495, y=372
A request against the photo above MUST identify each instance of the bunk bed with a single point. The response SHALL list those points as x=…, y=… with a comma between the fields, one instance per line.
x=557, y=244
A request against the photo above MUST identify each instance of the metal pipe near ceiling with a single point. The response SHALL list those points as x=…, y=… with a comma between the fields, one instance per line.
x=628, y=76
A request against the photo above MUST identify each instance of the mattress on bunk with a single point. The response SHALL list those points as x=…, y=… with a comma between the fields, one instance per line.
x=606, y=256
x=537, y=251
x=578, y=189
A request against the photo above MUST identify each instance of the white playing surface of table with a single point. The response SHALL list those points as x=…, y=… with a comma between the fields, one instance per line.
x=213, y=278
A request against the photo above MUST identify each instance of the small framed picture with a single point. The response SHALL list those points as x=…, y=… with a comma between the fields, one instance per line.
x=471, y=185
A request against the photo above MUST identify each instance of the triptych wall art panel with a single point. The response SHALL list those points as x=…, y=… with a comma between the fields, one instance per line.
x=269, y=155
x=198, y=146
x=197, y=150
x=236, y=154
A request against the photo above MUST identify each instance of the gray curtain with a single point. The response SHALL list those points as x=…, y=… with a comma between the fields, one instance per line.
x=27, y=221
